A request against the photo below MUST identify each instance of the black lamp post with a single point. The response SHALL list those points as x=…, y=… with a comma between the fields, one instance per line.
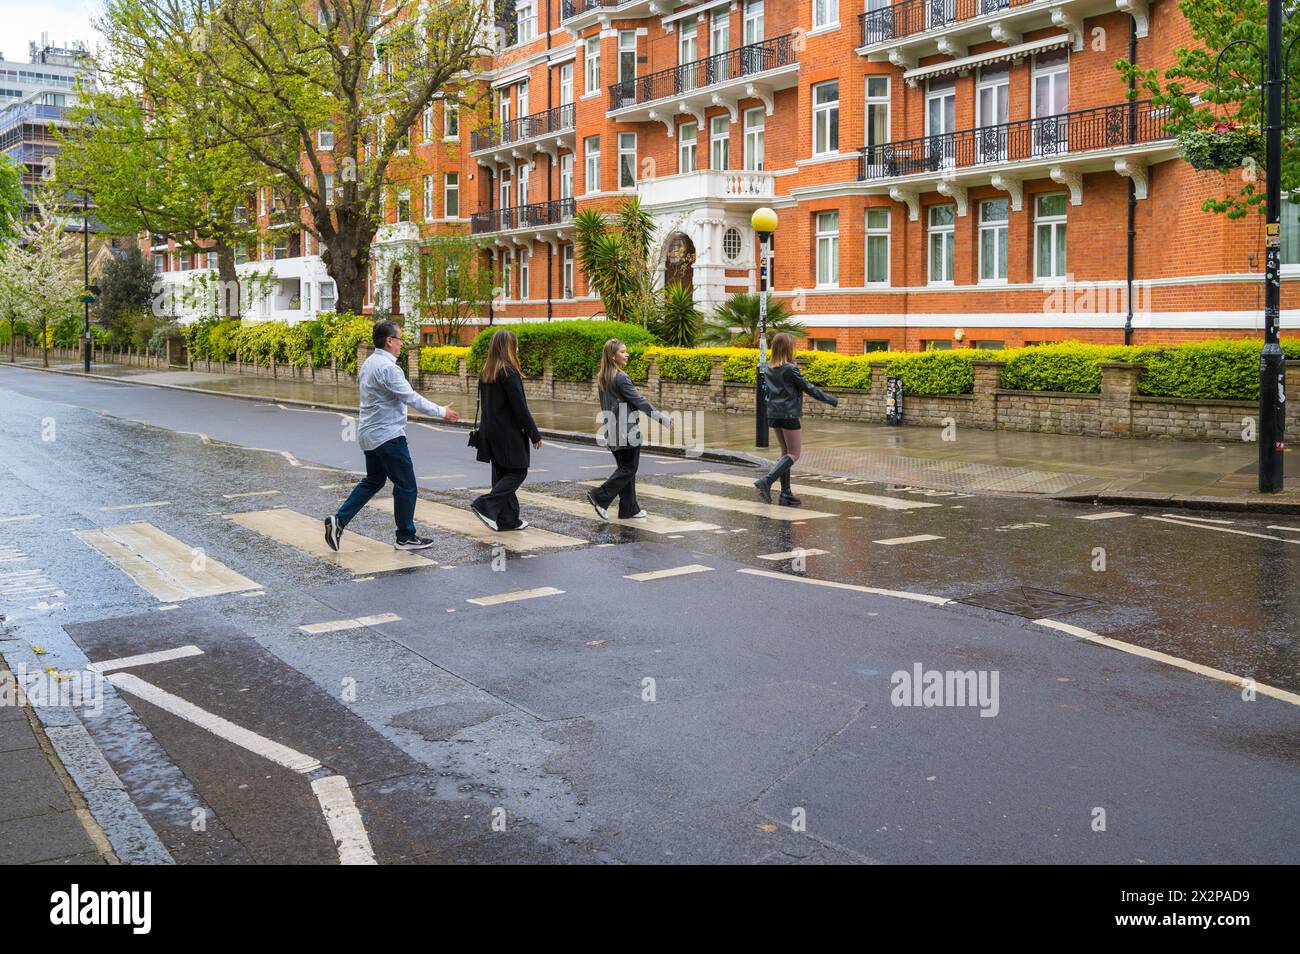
x=764, y=223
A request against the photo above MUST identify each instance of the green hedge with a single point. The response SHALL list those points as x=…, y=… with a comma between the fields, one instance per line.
x=444, y=359
x=573, y=346
x=1070, y=366
x=305, y=344
x=1225, y=368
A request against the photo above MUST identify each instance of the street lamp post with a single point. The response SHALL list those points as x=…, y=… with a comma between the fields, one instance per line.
x=85, y=275
x=764, y=223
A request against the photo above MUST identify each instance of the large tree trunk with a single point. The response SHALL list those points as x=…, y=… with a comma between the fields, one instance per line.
x=228, y=305
x=347, y=260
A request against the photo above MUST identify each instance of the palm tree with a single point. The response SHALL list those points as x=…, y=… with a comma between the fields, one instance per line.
x=677, y=320
x=740, y=311
x=619, y=260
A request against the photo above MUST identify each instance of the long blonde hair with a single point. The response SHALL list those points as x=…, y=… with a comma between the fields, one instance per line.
x=609, y=369
x=782, y=349
x=503, y=353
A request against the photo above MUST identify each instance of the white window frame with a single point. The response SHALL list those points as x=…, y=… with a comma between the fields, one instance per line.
x=525, y=21
x=876, y=232
x=826, y=227
x=325, y=140
x=426, y=131
x=826, y=120
x=878, y=101
x=566, y=176
x=566, y=83
x=591, y=164
x=505, y=184
x=825, y=14
x=428, y=198
x=720, y=142
x=450, y=120
x=521, y=184
x=946, y=232
x=993, y=227
x=1056, y=224
x=626, y=149
x=329, y=188
x=720, y=30
x=591, y=64
x=687, y=147
x=451, y=195
x=752, y=26
x=754, y=123
x=525, y=259
x=403, y=195
x=566, y=272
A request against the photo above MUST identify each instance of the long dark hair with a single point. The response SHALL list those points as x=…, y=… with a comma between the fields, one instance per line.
x=503, y=353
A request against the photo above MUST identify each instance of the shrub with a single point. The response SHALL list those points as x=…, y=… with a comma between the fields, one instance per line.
x=442, y=360
x=936, y=372
x=263, y=343
x=1069, y=366
x=839, y=370
x=573, y=347
x=344, y=333
x=1224, y=368
x=677, y=321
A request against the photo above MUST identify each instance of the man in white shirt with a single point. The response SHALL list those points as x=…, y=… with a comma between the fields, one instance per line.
x=385, y=394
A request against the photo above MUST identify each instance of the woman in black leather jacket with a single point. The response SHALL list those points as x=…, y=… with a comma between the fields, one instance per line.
x=786, y=386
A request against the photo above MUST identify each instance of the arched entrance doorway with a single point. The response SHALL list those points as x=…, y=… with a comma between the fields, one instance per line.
x=679, y=262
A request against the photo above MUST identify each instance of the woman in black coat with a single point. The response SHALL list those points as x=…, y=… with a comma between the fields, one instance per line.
x=505, y=431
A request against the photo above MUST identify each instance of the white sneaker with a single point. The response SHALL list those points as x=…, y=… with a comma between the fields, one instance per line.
x=487, y=521
x=601, y=511
x=639, y=515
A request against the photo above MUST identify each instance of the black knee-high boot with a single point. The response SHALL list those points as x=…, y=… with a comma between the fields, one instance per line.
x=787, y=498
x=764, y=484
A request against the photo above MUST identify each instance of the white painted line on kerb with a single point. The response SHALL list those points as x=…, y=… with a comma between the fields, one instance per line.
x=358, y=623
x=900, y=594
x=664, y=574
x=791, y=554
x=1239, y=681
x=145, y=659
x=251, y=493
x=1240, y=533
x=139, y=506
x=1188, y=516
x=515, y=596
x=918, y=538
x=222, y=728
x=340, y=810
x=1111, y=515
x=24, y=516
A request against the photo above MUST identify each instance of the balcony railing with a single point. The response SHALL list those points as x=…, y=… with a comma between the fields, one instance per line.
x=700, y=74
x=917, y=16
x=554, y=120
x=1106, y=127
x=707, y=184
x=573, y=8
x=532, y=216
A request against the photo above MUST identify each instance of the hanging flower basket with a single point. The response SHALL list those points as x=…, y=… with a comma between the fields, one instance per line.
x=1224, y=146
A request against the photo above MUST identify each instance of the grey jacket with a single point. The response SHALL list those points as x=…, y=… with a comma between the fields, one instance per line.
x=786, y=387
x=622, y=408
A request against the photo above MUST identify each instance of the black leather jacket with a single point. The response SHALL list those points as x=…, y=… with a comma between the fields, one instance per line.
x=786, y=387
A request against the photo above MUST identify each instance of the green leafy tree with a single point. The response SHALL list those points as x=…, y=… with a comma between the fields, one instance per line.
x=125, y=284
x=455, y=285
x=1234, y=103
x=12, y=200
x=735, y=321
x=40, y=273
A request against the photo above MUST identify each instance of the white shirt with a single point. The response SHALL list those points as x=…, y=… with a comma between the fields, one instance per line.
x=385, y=393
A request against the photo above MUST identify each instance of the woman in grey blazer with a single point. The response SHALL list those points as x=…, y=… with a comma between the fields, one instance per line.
x=622, y=408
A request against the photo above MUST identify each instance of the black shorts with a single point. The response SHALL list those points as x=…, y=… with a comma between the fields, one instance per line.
x=785, y=423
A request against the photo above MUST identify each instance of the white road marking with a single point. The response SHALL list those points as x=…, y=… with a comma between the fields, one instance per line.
x=1287, y=529
x=1240, y=533
x=440, y=476
x=595, y=467
x=653, y=523
x=1219, y=674
x=1111, y=515
x=358, y=623
x=876, y=591
x=812, y=490
x=357, y=554
x=664, y=574
x=24, y=516
x=461, y=521
x=344, y=820
x=733, y=504
x=251, y=493
x=916, y=538
x=139, y=506
x=163, y=566
x=791, y=554
x=515, y=596
x=222, y=728
x=145, y=659
x=1029, y=525
x=1188, y=516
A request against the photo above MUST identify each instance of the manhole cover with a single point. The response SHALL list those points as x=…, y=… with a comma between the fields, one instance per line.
x=1030, y=602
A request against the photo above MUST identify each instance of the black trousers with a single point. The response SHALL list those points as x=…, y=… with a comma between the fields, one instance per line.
x=622, y=483
x=500, y=503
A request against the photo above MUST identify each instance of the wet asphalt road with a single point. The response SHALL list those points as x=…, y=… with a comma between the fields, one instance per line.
x=716, y=715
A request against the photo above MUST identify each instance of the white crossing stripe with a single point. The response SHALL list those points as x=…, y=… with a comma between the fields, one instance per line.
x=145, y=659
x=515, y=596
x=358, y=623
x=1287, y=529
x=791, y=554
x=581, y=508
x=461, y=521
x=222, y=728
x=162, y=565
x=832, y=584
x=139, y=506
x=812, y=490
x=1240, y=533
x=251, y=493
x=1110, y=515
x=16, y=518
x=1189, y=516
x=664, y=574
x=917, y=538
x=344, y=820
x=356, y=554
x=757, y=508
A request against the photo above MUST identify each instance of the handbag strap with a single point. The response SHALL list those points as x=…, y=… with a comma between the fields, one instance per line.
x=478, y=396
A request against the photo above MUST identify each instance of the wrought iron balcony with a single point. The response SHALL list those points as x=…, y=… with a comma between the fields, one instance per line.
x=573, y=8
x=699, y=75
x=1084, y=130
x=558, y=119
x=916, y=16
x=536, y=215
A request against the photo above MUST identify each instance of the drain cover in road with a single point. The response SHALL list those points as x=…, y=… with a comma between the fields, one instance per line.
x=1029, y=602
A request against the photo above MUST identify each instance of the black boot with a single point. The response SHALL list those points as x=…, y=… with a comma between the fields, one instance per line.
x=764, y=484
x=787, y=499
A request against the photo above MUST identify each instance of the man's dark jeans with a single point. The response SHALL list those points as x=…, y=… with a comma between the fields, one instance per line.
x=391, y=460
